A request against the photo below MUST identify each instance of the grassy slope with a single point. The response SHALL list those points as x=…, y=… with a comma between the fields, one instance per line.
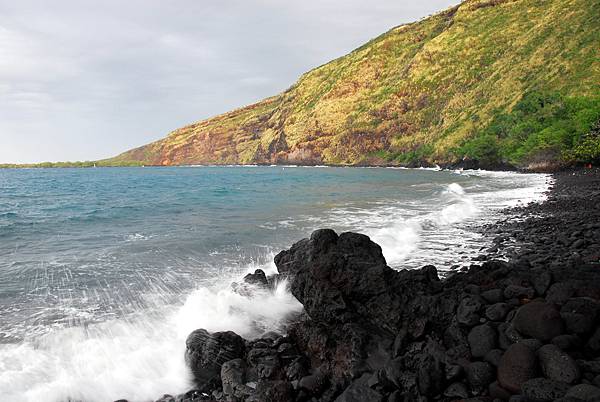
x=418, y=91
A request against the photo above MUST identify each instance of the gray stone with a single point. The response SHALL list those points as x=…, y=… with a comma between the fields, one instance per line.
x=166, y=398
x=544, y=390
x=593, y=345
x=512, y=334
x=493, y=357
x=233, y=378
x=558, y=365
x=531, y=343
x=518, y=292
x=580, y=314
x=272, y=391
x=493, y=295
x=584, y=392
x=592, y=366
x=431, y=375
x=480, y=375
x=468, y=311
x=560, y=292
x=541, y=282
x=206, y=352
x=497, y=312
x=313, y=383
x=482, y=339
x=456, y=390
x=566, y=342
x=359, y=393
x=497, y=392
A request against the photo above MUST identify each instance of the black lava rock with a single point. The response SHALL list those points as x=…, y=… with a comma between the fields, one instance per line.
x=558, y=365
x=517, y=366
x=544, y=390
x=539, y=320
x=482, y=339
x=206, y=353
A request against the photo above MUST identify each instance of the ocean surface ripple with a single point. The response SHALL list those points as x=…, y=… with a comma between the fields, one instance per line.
x=104, y=272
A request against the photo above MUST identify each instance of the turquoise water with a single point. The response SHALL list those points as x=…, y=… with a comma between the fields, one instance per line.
x=115, y=266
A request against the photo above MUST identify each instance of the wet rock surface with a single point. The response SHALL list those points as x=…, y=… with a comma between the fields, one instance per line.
x=525, y=328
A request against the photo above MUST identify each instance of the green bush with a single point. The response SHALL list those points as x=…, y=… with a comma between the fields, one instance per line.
x=541, y=126
x=587, y=148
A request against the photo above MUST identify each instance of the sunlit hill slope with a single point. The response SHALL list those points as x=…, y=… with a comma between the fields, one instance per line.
x=514, y=81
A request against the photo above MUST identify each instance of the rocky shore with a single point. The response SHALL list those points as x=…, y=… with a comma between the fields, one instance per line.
x=521, y=324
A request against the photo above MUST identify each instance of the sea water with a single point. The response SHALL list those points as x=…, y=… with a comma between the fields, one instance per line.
x=104, y=272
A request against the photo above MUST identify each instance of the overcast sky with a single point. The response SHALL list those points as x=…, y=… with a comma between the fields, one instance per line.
x=83, y=79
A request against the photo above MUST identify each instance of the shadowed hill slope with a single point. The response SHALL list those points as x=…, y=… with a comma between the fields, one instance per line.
x=425, y=92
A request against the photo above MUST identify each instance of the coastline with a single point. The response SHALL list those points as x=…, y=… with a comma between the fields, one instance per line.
x=521, y=323
x=550, y=167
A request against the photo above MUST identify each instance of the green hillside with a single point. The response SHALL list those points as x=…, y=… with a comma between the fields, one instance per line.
x=514, y=81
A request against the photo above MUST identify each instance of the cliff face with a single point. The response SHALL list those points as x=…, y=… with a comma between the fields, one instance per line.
x=417, y=92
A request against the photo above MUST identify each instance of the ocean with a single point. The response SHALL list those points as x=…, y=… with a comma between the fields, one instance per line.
x=104, y=272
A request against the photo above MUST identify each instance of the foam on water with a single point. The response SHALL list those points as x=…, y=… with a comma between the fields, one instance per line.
x=408, y=232
x=138, y=357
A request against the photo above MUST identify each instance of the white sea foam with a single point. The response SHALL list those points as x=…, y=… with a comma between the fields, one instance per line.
x=401, y=235
x=398, y=240
x=460, y=206
x=137, y=357
x=430, y=230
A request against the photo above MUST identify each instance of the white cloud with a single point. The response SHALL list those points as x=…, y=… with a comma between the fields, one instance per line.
x=85, y=80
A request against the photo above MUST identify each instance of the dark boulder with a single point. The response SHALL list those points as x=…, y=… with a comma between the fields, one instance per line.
x=544, y=390
x=468, y=311
x=457, y=390
x=593, y=344
x=265, y=363
x=482, y=339
x=345, y=278
x=560, y=292
x=431, y=374
x=258, y=278
x=541, y=282
x=480, y=375
x=497, y=392
x=206, y=352
x=518, y=292
x=164, y=398
x=517, y=366
x=233, y=379
x=532, y=343
x=272, y=391
x=493, y=295
x=558, y=365
x=251, y=282
x=358, y=392
x=584, y=392
x=497, y=312
x=314, y=383
x=580, y=315
x=566, y=341
x=539, y=320
x=590, y=366
x=493, y=357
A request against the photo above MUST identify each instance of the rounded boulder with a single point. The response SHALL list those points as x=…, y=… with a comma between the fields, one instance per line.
x=517, y=366
x=539, y=320
x=558, y=365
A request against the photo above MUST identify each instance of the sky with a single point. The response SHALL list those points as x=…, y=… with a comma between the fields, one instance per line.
x=85, y=80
